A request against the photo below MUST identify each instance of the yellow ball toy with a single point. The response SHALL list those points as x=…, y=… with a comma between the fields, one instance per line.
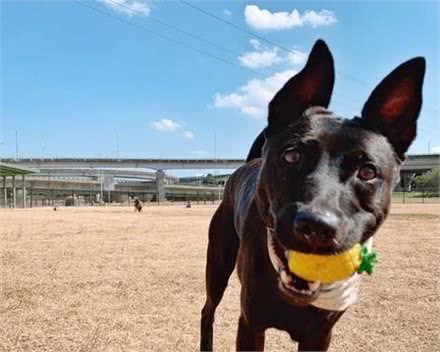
x=331, y=268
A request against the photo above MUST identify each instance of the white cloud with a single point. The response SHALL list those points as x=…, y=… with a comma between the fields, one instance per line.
x=321, y=18
x=188, y=135
x=263, y=56
x=264, y=19
x=258, y=59
x=168, y=125
x=435, y=149
x=255, y=44
x=165, y=125
x=129, y=7
x=296, y=57
x=228, y=13
x=252, y=98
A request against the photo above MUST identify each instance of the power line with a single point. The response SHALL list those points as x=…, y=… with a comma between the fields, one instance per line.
x=155, y=19
x=280, y=46
x=180, y=30
x=241, y=29
x=164, y=36
x=192, y=35
x=171, y=38
x=253, y=34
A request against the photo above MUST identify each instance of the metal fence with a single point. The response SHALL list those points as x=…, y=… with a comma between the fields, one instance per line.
x=43, y=197
x=417, y=195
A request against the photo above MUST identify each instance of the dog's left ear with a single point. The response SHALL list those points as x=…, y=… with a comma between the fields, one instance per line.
x=312, y=86
x=394, y=105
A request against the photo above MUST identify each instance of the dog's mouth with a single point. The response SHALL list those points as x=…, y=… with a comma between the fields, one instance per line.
x=294, y=288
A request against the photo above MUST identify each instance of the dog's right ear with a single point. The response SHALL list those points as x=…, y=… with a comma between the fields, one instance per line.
x=312, y=86
x=394, y=105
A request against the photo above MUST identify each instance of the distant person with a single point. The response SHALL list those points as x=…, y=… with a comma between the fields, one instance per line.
x=188, y=204
x=138, y=205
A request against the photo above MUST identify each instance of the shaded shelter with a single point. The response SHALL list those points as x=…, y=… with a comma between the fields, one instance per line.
x=13, y=171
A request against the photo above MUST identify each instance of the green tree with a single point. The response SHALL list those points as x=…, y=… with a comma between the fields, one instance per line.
x=429, y=182
x=210, y=180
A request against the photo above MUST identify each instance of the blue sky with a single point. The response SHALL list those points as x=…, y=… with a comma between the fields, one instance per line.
x=76, y=81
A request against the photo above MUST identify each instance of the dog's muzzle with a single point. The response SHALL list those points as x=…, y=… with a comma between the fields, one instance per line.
x=337, y=296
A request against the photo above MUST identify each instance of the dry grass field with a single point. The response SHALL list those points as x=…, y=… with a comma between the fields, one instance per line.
x=109, y=279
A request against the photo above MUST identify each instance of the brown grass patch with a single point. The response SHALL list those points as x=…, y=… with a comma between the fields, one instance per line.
x=109, y=279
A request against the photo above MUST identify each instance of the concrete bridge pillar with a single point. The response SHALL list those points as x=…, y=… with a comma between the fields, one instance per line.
x=5, y=192
x=14, y=193
x=23, y=190
x=109, y=186
x=160, y=185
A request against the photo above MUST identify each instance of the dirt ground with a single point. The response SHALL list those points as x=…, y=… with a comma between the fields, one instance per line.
x=109, y=279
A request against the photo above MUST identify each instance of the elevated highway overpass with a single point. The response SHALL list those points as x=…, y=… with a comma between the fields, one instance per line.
x=96, y=173
x=415, y=163
x=152, y=164
x=137, y=168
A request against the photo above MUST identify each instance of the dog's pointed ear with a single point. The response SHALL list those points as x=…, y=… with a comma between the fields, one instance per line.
x=313, y=85
x=394, y=105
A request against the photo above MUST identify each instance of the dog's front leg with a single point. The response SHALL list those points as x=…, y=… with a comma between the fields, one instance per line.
x=249, y=338
x=315, y=342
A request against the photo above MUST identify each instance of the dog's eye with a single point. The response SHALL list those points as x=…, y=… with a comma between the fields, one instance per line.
x=367, y=172
x=291, y=156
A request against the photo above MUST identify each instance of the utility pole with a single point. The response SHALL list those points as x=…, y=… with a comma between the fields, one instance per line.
x=216, y=170
x=117, y=144
x=215, y=146
x=101, y=188
x=16, y=145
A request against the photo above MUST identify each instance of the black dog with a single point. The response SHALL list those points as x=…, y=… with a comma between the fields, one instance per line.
x=314, y=183
x=138, y=205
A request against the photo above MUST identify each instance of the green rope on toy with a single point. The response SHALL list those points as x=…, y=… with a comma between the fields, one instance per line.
x=368, y=260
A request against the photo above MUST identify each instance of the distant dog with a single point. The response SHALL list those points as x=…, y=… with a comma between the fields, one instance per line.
x=138, y=205
x=314, y=183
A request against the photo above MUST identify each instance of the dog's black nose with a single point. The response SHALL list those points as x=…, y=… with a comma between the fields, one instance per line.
x=320, y=228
